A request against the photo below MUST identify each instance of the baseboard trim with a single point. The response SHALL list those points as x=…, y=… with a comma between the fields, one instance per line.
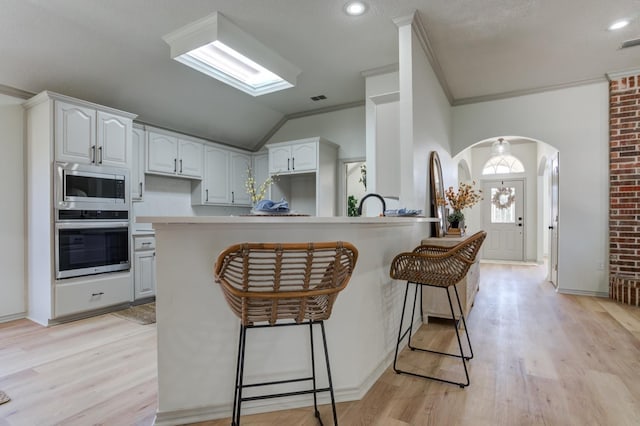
x=583, y=292
x=13, y=317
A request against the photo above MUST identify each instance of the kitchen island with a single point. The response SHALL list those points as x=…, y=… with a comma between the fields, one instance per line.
x=197, y=333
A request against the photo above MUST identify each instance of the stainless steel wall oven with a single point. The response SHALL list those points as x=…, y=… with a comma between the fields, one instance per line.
x=91, y=242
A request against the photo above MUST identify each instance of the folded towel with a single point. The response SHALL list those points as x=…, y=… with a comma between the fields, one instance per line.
x=281, y=206
x=402, y=212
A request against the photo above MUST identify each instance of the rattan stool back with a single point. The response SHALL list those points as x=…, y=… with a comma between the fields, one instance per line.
x=275, y=281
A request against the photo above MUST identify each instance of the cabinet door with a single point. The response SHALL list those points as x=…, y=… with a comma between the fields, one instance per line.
x=137, y=164
x=216, y=180
x=190, y=162
x=162, y=154
x=75, y=133
x=240, y=164
x=304, y=157
x=261, y=168
x=114, y=140
x=145, y=274
x=279, y=159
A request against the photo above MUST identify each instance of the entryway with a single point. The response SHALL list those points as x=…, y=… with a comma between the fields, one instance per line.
x=503, y=219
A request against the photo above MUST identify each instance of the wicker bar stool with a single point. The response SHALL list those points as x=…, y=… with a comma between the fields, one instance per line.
x=436, y=267
x=283, y=284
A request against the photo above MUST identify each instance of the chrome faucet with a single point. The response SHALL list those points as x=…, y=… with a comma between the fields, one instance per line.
x=384, y=205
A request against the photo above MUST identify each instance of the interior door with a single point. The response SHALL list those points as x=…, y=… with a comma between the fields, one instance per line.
x=503, y=217
x=553, y=227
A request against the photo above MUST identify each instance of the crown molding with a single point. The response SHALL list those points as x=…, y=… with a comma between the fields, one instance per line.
x=516, y=93
x=385, y=69
x=16, y=93
x=419, y=30
x=621, y=74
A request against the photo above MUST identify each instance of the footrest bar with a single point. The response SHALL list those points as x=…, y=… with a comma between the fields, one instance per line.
x=283, y=394
x=413, y=348
x=278, y=382
x=462, y=385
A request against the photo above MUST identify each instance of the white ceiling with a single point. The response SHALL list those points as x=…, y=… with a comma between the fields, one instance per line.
x=112, y=53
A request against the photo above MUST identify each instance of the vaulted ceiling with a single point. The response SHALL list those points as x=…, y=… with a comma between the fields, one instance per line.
x=112, y=53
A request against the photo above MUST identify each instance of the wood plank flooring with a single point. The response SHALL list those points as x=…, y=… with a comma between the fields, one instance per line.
x=541, y=358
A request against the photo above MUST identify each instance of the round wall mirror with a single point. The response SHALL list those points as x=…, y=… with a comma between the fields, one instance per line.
x=437, y=196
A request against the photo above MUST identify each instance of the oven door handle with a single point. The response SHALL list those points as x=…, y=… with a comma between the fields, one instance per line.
x=89, y=224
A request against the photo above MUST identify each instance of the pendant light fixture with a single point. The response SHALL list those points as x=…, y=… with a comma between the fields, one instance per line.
x=500, y=147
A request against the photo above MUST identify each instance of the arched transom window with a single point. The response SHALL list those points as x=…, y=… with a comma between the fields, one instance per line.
x=502, y=164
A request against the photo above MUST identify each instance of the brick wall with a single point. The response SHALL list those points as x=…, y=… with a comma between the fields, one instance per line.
x=624, y=190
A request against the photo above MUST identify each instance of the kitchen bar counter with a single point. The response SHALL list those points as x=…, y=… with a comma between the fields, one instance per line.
x=197, y=333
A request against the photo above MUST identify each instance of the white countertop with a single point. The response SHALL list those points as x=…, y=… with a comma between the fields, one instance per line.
x=283, y=219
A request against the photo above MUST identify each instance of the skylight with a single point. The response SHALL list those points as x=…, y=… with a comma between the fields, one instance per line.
x=218, y=48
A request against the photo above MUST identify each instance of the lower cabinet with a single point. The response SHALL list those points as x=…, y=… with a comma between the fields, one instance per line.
x=434, y=300
x=144, y=267
x=74, y=296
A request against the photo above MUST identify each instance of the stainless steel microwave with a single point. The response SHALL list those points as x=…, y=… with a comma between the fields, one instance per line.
x=89, y=187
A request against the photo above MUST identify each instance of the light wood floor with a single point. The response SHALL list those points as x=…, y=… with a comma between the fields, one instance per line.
x=541, y=358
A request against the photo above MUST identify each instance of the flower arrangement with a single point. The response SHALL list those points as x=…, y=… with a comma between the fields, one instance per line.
x=257, y=194
x=466, y=196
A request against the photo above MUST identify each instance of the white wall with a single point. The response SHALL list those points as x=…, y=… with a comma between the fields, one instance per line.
x=12, y=222
x=344, y=127
x=575, y=121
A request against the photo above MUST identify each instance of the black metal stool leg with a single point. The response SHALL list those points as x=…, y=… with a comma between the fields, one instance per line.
x=326, y=357
x=413, y=315
x=237, y=400
x=455, y=326
x=400, y=335
x=313, y=374
x=464, y=323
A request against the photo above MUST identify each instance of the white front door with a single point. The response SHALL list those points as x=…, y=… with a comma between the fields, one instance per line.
x=503, y=217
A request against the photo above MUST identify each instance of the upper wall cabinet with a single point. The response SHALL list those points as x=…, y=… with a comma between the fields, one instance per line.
x=293, y=157
x=84, y=134
x=168, y=155
x=137, y=164
x=225, y=173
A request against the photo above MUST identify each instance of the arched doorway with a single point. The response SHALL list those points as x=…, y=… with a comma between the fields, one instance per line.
x=533, y=184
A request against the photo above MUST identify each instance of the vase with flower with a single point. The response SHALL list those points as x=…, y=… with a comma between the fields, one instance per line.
x=465, y=197
x=255, y=191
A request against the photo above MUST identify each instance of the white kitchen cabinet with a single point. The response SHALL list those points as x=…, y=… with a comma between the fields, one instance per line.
x=144, y=277
x=137, y=164
x=214, y=187
x=84, y=134
x=166, y=154
x=307, y=178
x=240, y=164
x=261, y=167
x=294, y=157
x=61, y=128
x=225, y=173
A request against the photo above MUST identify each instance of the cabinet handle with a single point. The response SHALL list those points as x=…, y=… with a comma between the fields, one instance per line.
x=175, y=165
x=93, y=154
x=100, y=156
x=141, y=189
x=181, y=165
x=233, y=197
x=288, y=160
x=146, y=244
x=207, y=198
x=293, y=163
x=97, y=294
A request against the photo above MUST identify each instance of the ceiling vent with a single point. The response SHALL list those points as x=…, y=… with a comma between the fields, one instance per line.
x=318, y=98
x=630, y=43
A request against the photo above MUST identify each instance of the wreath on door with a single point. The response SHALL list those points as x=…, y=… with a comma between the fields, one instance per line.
x=503, y=198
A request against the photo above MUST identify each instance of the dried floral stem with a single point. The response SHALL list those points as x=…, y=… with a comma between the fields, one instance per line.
x=257, y=194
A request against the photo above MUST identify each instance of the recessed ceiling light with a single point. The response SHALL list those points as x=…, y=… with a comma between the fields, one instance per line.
x=355, y=8
x=618, y=25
